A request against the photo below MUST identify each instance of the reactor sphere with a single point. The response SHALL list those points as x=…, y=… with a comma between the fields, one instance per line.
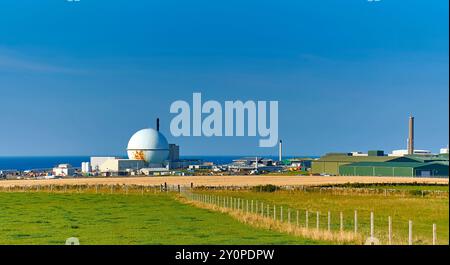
x=149, y=145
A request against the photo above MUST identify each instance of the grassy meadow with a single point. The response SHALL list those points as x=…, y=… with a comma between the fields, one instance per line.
x=423, y=211
x=50, y=218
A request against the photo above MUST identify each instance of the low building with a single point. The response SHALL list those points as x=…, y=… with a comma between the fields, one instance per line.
x=404, y=152
x=63, y=170
x=121, y=167
x=97, y=161
x=395, y=169
x=153, y=171
x=330, y=163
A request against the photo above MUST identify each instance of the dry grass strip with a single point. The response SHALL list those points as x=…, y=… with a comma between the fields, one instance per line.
x=264, y=222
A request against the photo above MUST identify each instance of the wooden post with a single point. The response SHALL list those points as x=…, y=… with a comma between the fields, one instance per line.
x=342, y=221
x=306, y=219
x=317, y=220
x=112, y=188
x=262, y=209
x=281, y=213
x=329, y=221
x=142, y=190
x=274, y=213
x=256, y=211
x=268, y=211
x=238, y=202
x=389, y=230
x=434, y=234
x=126, y=189
x=297, y=219
x=410, y=238
x=371, y=224
x=247, y=206
x=251, y=208
x=356, y=221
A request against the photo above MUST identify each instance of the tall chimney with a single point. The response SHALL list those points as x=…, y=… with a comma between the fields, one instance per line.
x=157, y=124
x=411, y=136
x=280, y=151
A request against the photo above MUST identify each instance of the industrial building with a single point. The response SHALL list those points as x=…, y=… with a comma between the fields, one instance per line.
x=395, y=169
x=63, y=170
x=406, y=163
x=148, y=152
x=121, y=167
x=330, y=163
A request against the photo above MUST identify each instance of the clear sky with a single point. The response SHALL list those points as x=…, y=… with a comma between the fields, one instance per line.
x=80, y=78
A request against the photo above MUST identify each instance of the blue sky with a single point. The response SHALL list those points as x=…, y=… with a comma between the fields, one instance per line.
x=81, y=78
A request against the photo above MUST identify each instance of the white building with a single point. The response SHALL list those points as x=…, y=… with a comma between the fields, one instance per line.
x=444, y=150
x=85, y=167
x=121, y=166
x=63, y=170
x=97, y=161
x=403, y=152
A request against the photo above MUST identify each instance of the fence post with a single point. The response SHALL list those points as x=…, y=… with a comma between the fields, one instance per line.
x=297, y=218
x=317, y=220
x=389, y=230
x=247, y=206
x=434, y=234
x=371, y=224
x=329, y=221
x=251, y=208
x=274, y=213
x=281, y=213
x=356, y=221
x=262, y=209
x=410, y=239
x=341, y=221
x=268, y=211
x=306, y=219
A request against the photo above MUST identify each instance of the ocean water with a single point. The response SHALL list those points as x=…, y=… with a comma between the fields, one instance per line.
x=47, y=162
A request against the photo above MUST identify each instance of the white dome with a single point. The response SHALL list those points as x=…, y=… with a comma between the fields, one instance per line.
x=149, y=145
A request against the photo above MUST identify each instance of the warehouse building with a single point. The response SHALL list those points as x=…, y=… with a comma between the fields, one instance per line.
x=330, y=163
x=395, y=169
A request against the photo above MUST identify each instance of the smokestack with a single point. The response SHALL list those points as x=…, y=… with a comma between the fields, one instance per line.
x=157, y=124
x=411, y=136
x=280, y=151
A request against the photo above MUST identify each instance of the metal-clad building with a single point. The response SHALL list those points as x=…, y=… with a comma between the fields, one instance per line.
x=395, y=169
x=330, y=163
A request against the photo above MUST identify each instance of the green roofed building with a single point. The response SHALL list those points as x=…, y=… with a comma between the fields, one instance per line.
x=330, y=163
x=396, y=169
x=404, y=165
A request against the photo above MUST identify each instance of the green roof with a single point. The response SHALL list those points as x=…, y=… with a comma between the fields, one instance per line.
x=426, y=158
x=390, y=164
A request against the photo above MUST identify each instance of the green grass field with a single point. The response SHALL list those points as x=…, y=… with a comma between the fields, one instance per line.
x=422, y=211
x=50, y=218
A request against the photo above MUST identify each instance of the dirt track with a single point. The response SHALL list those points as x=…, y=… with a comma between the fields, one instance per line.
x=225, y=180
